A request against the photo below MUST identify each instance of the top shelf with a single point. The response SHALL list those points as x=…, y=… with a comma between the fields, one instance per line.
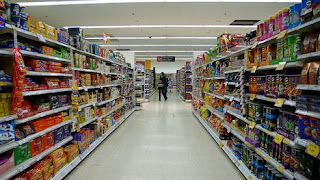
x=306, y=27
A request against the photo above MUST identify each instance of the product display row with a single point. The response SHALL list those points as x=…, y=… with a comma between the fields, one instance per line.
x=184, y=82
x=257, y=95
x=60, y=94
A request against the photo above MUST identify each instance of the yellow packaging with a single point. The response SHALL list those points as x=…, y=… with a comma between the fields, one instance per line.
x=40, y=27
x=72, y=151
x=58, y=164
x=50, y=31
x=57, y=154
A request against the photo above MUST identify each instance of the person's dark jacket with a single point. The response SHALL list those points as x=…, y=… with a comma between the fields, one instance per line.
x=164, y=81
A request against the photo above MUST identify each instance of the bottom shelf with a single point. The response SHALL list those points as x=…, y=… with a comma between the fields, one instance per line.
x=69, y=167
x=223, y=145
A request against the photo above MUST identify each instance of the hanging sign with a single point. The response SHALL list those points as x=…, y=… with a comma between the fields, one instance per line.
x=166, y=58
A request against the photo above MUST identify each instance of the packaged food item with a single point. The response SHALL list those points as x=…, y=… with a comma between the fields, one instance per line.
x=48, y=140
x=313, y=73
x=271, y=26
x=285, y=19
x=7, y=161
x=47, y=50
x=304, y=127
x=304, y=73
x=21, y=153
x=59, y=163
x=40, y=27
x=313, y=42
x=36, y=146
x=266, y=29
x=50, y=32
x=297, y=14
x=15, y=15
x=291, y=17
x=295, y=43
x=71, y=152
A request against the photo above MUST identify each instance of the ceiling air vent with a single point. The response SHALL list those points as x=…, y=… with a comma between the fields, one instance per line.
x=244, y=22
x=123, y=49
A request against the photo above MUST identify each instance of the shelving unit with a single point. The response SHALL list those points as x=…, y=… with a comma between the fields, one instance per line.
x=121, y=98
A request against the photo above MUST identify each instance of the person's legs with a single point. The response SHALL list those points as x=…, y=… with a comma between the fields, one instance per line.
x=164, y=93
x=160, y=91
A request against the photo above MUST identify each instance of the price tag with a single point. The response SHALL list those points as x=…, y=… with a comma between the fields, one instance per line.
x=75, y=87
x=268, y=132
x=78, y=128
x=79, y=109
x=281, y=66
x=250, y=177
x=313, y=150
x=267, y=158
x=286, y=141
x=258, y=151
x=238, y=164
x=254, y=69
x=278, y=139
x=85, y=88
x=41, y=38
x=231, y=98
x=93, y=104
x=23, y=167
x=38, y=158
x=282, y=34
x=252, y=97
x=252, y=124
x=270, y=99
x=280, y=169
x=254, y=45
x=279, y=102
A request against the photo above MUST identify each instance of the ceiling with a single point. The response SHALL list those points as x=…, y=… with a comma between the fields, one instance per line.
x=156, y=14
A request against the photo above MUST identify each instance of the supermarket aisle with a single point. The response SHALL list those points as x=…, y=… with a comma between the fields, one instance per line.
x=162, y=141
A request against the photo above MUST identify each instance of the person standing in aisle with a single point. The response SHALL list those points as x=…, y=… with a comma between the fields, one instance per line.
x=160, y=87
x=164, y=80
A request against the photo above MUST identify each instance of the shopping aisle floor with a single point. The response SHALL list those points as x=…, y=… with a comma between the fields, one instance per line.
x=162, y=141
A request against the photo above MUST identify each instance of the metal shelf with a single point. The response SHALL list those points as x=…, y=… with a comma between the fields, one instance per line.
x=236, y=113
x=273, y=67
x=40, y=115
x=74, y=163
x=20, y=168
x=49, y=91
x=243, y=169
x=86, y=70
x=231, y=98
x=233, y=71
x=309, y=56
x=264, y=98
x=41, y=133
x=308, y=87
x=33, y=73
x=215, y=112
x=308, y=113
x=8, y=118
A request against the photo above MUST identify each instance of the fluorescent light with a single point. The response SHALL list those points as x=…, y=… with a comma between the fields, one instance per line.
x=158, y=45
x=160, y=26
x=156, y=58
x=161, y=51
x=151, y=37
x=150, y=56
x=57, y=3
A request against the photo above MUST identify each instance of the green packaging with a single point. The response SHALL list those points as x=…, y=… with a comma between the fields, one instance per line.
x=295, y=48
x=21, y=153
x=286, y=50
x=279, y=51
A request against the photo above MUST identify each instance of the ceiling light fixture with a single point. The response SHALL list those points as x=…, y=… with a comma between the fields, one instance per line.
x=59, y=3
x=151, y=37
x=162, y=51
x=158, y=45
x=160, y=26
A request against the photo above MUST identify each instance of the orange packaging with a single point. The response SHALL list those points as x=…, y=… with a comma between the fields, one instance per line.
x=47, y=50
x=57, y=154
x=72, y=151
x=36, y=146
x=48, y=140
x=250, y=58
x=59, y=163
x=39, y=125
x=58, y=119
x=264, y=59
x=257, y=56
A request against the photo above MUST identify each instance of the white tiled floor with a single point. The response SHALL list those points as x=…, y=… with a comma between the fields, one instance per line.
x=162, y=141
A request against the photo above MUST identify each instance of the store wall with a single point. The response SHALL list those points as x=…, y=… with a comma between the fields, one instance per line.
x=167, y=67
x=129, y=57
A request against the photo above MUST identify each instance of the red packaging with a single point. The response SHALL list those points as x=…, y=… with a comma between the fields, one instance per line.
x=36, y=146
x=48, y=140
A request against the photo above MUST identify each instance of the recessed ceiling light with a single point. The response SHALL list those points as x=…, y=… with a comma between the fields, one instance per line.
x=151, y=37
x=56, y=3
x=158, y=45
x=160, y=26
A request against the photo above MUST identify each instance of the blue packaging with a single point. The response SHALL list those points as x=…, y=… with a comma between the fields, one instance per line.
x=304, y=127
x=297, y=14
x=15, y=14
x=291, y=17
x=23, y=18
x=305, y=6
